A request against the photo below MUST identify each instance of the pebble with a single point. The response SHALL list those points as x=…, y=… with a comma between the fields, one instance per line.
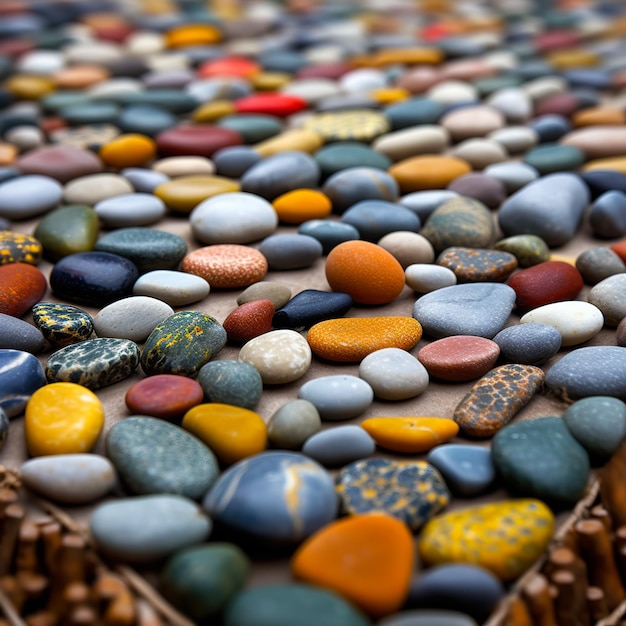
x=329, y=233
x=374, y=219
x=541, y=459
x=230, y=382
x=413, y=111
x=477, y=264
x=69, y=478
x=128, y=150
x=17, y=334
x=310, y=306
x=148, y=120
x=298, y=497
x=134, y=209
x=29, y=196
x=601, y=181
x=252, y=128
x=515, y=139
x=183, y=194
x=529, y=250
x=512, y=174
x=62, y=418
x=597, y=142
x=495, y=399
x=596, y=264
x=480, y=153
x=195, y=140
x=234, y=161
x=177, y=166
x=408, y=248
x=292, y=424
x=338, y=397
x=145, y=529
x=409, y=142
x=607, y=215
x=4, y=428
x=424, y=277
x=607, y=295
x=412, y=435
x=472, y=121
x=290, y=251
x=428, y=172
x=336, y=157
x=174, y=288
x=94, y=188
x=411, y=491
x=467, y=469
x=21, y=375
x=339, y=446
x=21, y=286
x=486, y=189
x=301, y=205
x=277, y=293
x=532, y=343
x=63, y=163
x=352, y=125
x=476, y=535
x=249, y=320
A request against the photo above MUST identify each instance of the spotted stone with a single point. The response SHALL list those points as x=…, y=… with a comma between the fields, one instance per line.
x=19, y=248
x=529, y=250
x=412, y=491
x=495, y=399
x=356, y=125
x=62, y=324
x=477, y=264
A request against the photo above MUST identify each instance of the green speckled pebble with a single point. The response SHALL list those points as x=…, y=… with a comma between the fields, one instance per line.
x=62, y=324
x=93, y=363
x=231, y=382
x=182, y=344
x=153, y=456
x=528, y=249
x=19, y=248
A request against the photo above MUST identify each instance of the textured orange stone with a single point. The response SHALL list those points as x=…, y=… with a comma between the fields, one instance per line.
x=21, y=286
x=351, y=339
x=249, y=320
x=226, y=266
x=365, y=271
x=410, y=434
x=192, y=35
x=428, y=172
x=80, y=76
x=599, y=116
x=300, y=205
x=131, y=150
x=367, y=559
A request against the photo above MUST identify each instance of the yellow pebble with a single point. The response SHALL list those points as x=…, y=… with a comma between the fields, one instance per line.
x=563, y=259
x=192, y=35
x=617, y=164
x=29, y=87
x=300, y=205
x=131, y=150
x=185, y=193
x=389, y=95
x=231, y=432
x=571, y=59
x=211, y=111
x=408, y=56
x=62, y=418
x=410, y=434
x=299, y=139
x=269, y=81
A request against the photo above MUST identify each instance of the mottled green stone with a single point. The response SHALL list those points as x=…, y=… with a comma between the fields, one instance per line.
x=62, y=324
x=93, y=363
x=200, y=580
x=231, y=382
x=68, y=230
x=19, y=248
x=551, y=158
x=491, y=84
x=182, y=344
x=529, y=250
x=252, y=128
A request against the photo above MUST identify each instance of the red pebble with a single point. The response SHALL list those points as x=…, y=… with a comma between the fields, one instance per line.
x=167, y=396
x=231, y=67
x=249, y=320
x=558, y=104
x=556, y=40
x=196, y=140
x=21, y=286
x=551, y=281
x=332, y=71
x=620, y=249
x=279, y=104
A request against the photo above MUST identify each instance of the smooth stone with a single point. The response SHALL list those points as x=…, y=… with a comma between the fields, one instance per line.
x=479, y=152
x=184, y=465
x=413, y=112
x=292, y=424
x=477, y=264
x=575, y=320
x=149, y=120
x=277, y=293
x=94, y=188
x=145, y=529
x=143, y=180
x=486, y=189
x=598, y=423
x=147, y=249
x=249, y=320
x=339, y=446
x=236, y=217
x=252, y=128
x=601, y=181
x=63, y=163
x=89, y=113
x=409, y=142
x=427, y=171
x=597, y=142
x=329, y=233
x=513, y=175
x=176, y=166
x=408, y=248
x=525, y=211
x=93, y=278
x=174, y=288
x=596, y=264
x=21, y=286
x=480, y=309
x=551, y=158
x=472, y=121
x=425, y=277
x=69, y=478
x=182, y=343
x=334, y=158
x=423, y=203
x=515, y=139
x=235, y=161
x=21, y=375
x=374, y=219
x=513, y=103
x=311, y=306
x=4, y=428
x=607, y=215
x=298, y=497
x=495, y=399
x=68, y=230
x=29, y=196
x=451, y=92
x=541, y=459
x=290, y=251
x=338, y=397
x=411, y=491
x=17, y=334
x=529, y=250
x=185, y=193
x=608, y=296
x=135, y=209
x=467, y=469
x=394, y=374
x=352, y=124
x=474, y=536
x=172, y=100
x=231, y=382
x=195, y=140
x=533, y=343
x=423, y=617
x=551, y=127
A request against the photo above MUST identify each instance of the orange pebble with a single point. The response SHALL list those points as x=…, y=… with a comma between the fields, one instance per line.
x=410, y=434
x=80, y=76
x=368, y=559
x=620, y=249
x=617, y=164
x=365, y=271
x=599, y=116
x=390, y=95
x=130, y=150
x=8, y=153
x=300, y=205
x=192, y=35
x=232, y=67
x=428, y=172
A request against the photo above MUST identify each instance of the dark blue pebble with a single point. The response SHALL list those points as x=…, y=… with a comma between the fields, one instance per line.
x=21, y=375
x=93, y=278
x=375, y=218
x=20, y=25
x=17, y=334
x=289, y=251
x=145, y=119
x=235, y=161
x=310, y=307
x=550, y=127
x=329, y=233
x=339, y=446
x=601, y=181
x=607, y=215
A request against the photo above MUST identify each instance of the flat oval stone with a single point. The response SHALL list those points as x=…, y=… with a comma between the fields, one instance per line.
x=528, y=344
x=477, y=264
x=486, y=189
x=589, y=371
x=426, y=277
x=184, y=465
x=134, y=209
x=351, y=125
x=596, y=264
x=472, y=121
x=174, y=288
x=374, y=219
x=144, y=529
x=185, y=193
x=414, y=111
x=182, y=343
x=290, y=251
x=512, y=174
x=94, y=188
x=467, y=469
x=607, y=215
x=480, y=309
x=69, y=478
x=529, y=250
x=338, y=397
x=277, y=293
x=249, y=320
x=298, y=497
x=334, y=158
x=541, y=459
x=21, y=375
x=177, y=166
x=195, y=139
x=339, y=446
x=474, y=536
x=515, y=139
x=292, y=424
x=63, y=163
x=598, y=141
x=311, y=306
x=29, y=196
x=231, y=382
x=147, y=248
x=428, y=172
x=252, y=128
x=93, y=278
x=496, y=398
x=601, y=181
x=145, y=119
x=408, y=248
x=21, y=286
x=550, y=158
x=608, y=296
x=17, y=334
x=426, y=201
x=459, y=358
x=235, y=161
x=409, y=142
x=329, y=233
x=479, y=153
x=19, y=248
x=412, y=491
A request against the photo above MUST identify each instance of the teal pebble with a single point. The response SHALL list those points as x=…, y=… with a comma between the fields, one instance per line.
x=231, y=382
x=337, y=157
x=551, y=158
x=89, y=113
x=252, y=128
x=414, y=112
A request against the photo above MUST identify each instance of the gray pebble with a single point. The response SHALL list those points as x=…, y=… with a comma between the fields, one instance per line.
x=278, y=293
x=144, y=180
x=596, y=264
x=29, y=196
x=231, y=382
x=609, y=295
x=338, y=397
x=290, y=251
x=339, y=446
x=607, y=215
x=292, y=424
x=133, y=209
x=17, y=334
x=512, y=175
x=529, y=344
x=423, y=203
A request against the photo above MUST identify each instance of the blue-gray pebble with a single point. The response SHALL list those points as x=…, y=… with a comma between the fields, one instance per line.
x=376, y=218
x=290, y=251
x=528, y=344
x=17, y=334
x=607, y=215
x=329, y=233
x=339, y=446
x=231, y=382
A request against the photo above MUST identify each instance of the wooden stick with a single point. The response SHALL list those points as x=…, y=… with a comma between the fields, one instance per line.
x=51, y=535
x=11, y=614
x=597, y=604
x=565, y=584
x=599, y=512
x=613, y=485
x=517, y=613
x=13, y=516
x=26, y=559
x=71, y=559
x=11, y=592
x=106, y=587
x=33, y=586
x=563, y=558
x=146, y=615
x=536, y=593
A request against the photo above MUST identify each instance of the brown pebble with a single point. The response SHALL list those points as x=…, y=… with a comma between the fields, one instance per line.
x=249, y=320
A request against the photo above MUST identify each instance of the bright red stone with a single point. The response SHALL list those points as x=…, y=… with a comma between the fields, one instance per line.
x=551, y=281
x=196, y=140
x=167, y=396
x=278, y=104
x=21, y=286
x=231, y=67
x=249, y=320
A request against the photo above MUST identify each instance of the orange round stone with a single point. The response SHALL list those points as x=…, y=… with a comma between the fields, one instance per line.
x=80, y=76
x=21, y=286
x=131, y=150
x=300, y=205
x=192, y=35
x=428, y=172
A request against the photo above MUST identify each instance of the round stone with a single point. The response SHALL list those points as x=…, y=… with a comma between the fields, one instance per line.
x=467, y=469
x=94, y=188
x=177, y=166
x=424, y=277
x=472, y=121
x=174, y=288
x=29, y=196
x=409, y=142
x=338, y=397
x=231, y=382
x=249, y=320
x=550, y=158
x=143, y=180
x=277, y=293
x=408, y=247
x=607, y=296
x=21, y=375
x=486, y=189
x=185, y=193
x=337, y=157
x=287, y=251
x=135, y=209
x=529, y=344
x=597, y=263
x=529, y=250
x=292, y=424
x=339, y=446
x=196, y=140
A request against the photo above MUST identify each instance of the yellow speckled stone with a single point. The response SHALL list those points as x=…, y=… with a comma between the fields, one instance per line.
x=358, y=125
x=504, y=537
x=297, y=139
x=183, y=194
x=192, y=35
x=410, y=434
x=572, y=59
x=62, y=418
x=231, y=432
x=211, y=111
x=617, y=164
x=19, y=248
x=300, y=205
x=30, y=87
x=270, y=81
